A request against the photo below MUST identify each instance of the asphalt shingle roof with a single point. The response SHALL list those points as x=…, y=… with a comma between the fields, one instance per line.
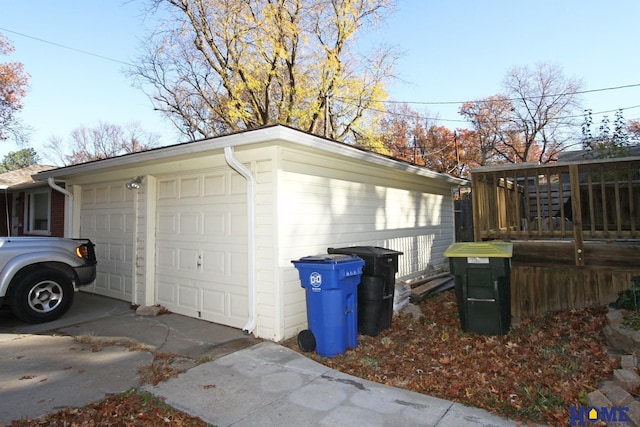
x=22, y=176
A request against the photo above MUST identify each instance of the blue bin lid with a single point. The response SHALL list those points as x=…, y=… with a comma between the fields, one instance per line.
x=327, y=259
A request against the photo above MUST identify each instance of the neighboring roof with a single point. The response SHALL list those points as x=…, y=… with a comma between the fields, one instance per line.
x=22, y=177
x=244, y=138
x=576, y=156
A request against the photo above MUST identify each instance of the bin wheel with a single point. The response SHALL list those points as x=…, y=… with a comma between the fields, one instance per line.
x=306, y=341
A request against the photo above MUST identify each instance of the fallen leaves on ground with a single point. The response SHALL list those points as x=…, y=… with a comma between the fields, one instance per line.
x=133, y=408
x=536, y=372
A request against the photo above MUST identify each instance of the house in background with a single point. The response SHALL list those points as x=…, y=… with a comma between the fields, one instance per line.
x=208, y=228
x=586, y=155
x=30, y=208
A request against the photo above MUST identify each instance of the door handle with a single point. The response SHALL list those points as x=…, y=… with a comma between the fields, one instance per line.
x=481, y=299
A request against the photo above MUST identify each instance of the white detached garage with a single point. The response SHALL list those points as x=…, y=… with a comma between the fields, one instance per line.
x=208, y=228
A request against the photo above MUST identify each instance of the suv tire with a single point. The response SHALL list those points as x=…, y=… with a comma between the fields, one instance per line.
x=41, y=295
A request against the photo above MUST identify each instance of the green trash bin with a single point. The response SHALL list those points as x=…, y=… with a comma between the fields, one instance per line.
x=482, y=273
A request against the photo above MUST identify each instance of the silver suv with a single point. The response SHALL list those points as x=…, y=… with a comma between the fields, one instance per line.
x=39, y=275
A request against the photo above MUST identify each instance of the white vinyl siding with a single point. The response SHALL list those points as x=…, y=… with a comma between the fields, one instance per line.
x=352, y=203
x=328, y=202
x=269, y=304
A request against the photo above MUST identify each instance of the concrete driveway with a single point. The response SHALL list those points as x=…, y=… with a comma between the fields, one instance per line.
x=96, y=349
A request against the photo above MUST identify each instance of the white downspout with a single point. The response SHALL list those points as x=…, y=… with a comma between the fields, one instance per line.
x=68, y=220
x=251, y=235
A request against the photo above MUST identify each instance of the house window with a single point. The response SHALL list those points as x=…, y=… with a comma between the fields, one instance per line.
x=38, y=212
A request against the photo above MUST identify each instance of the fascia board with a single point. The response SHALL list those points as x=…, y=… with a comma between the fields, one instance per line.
x=346, y=150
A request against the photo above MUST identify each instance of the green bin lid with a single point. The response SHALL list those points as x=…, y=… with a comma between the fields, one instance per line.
x=480, y=250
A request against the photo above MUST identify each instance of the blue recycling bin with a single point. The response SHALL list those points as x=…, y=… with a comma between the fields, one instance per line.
x=331, y=286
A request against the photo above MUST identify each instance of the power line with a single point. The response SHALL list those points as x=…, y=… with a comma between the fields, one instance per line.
x=346, y=100
x=579, y=92
x=436, y=119
x=85, y=52
x=528, y=98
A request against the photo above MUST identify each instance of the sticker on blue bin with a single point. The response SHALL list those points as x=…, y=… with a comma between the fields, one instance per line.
x=315, y=280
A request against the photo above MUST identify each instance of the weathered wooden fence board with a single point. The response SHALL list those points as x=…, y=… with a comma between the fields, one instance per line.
x=544, y=277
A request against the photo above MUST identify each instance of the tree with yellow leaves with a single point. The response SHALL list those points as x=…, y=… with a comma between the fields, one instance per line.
x=221, y=66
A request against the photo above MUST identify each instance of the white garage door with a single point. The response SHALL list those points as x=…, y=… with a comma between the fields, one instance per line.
x=107, y=218
x=201, y=265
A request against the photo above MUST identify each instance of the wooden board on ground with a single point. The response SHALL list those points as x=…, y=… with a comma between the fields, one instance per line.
x=432, y=286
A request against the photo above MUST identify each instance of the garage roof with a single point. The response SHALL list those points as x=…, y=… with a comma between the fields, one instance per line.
x=244, y=138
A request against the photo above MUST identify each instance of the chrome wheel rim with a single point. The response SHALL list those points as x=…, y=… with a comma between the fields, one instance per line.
x=45, y=296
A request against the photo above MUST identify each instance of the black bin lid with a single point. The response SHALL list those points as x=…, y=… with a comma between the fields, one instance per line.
x=371, y=251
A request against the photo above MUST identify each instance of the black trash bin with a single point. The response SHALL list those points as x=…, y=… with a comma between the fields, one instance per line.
x=482, y=273
x=377, y=286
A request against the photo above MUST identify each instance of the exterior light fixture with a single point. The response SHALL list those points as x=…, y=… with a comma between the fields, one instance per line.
x=134, y=184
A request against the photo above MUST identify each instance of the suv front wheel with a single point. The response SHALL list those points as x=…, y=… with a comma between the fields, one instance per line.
x=41, y=295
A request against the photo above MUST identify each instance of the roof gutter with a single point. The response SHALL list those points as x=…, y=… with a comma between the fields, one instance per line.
x=68, y=206
x=229, y=156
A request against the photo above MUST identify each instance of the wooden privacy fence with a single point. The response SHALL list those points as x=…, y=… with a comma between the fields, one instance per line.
x=575, y=228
